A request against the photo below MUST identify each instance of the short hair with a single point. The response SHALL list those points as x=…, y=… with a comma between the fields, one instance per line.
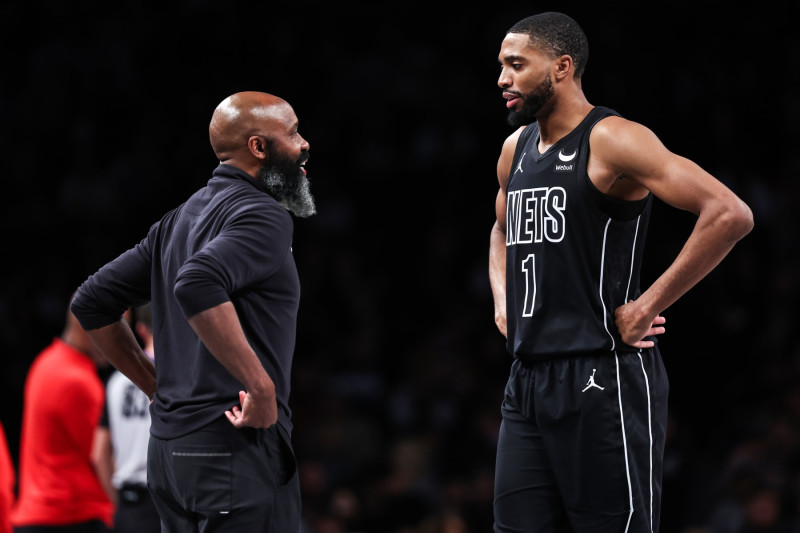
x=556, y=34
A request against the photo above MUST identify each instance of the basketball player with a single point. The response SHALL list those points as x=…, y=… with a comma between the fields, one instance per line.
x=585, y=408
x=59, y=485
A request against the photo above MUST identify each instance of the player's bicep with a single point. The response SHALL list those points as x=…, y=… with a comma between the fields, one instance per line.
x=507, y=157
x=683, y=184
x=500, y=210
x=503, y=171
x=636, y=152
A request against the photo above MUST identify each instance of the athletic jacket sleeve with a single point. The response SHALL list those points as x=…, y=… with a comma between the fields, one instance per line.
x=251, y=247
x=117, y=286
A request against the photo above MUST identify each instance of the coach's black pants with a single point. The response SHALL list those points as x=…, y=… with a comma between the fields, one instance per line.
x=223, y=479
x=581, y=445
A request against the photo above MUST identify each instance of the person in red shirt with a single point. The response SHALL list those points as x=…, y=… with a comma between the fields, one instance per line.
x=7, y=481
x=63, y=401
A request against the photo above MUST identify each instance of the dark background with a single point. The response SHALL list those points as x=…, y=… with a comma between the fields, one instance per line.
x=399, y=369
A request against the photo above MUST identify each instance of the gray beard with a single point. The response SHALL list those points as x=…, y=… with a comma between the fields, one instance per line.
x=294, y=195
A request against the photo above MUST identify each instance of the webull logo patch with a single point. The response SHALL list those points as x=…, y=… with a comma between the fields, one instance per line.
x=567, y=163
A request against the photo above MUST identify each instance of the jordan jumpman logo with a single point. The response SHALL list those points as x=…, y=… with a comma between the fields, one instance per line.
x=591, y=383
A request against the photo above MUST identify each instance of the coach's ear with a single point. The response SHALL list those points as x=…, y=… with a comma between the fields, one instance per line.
x=257, y=144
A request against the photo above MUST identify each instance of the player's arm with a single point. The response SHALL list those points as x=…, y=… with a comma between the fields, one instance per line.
x=628, y=149
x=220, y=330
x=103, y=460
x=497, y=239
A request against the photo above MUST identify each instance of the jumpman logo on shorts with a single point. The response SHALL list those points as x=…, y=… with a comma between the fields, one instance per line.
x=591, y=383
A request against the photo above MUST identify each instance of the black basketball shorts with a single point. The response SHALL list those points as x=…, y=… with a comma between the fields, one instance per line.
x=581, y=444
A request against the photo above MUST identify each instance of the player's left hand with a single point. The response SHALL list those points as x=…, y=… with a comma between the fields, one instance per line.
x=634, y=325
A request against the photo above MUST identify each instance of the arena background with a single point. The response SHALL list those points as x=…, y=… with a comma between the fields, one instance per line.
x=399, y=369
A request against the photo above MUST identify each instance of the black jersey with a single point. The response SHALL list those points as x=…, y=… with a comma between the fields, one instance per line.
x=573, y=253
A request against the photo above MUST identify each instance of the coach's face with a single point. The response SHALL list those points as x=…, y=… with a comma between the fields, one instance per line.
x=525, y=78
x=283, y=172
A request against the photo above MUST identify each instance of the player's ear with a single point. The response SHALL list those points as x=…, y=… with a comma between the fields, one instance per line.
x=563, y=67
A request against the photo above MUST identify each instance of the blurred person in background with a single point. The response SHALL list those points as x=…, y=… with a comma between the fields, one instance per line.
x=122, y=439
x=59, y=486
x=8, y=480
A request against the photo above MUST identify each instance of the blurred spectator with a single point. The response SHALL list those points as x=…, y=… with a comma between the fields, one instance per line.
x=59, y=487
x=7, y=484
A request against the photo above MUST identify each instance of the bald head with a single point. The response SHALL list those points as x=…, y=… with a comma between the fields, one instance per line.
x=239, y=117
x=259, y=134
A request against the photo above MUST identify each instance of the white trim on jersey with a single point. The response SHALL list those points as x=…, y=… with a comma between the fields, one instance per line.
x=630, y=275
x=633, y=255
x=600, y=291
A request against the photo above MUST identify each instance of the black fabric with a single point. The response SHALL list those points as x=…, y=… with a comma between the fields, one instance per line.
x=135, y=511
x=224, y=479
x=573, y=254
x=230, y=241
x=581, y=444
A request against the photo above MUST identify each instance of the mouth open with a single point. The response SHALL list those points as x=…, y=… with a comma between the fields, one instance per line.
x=511, y=99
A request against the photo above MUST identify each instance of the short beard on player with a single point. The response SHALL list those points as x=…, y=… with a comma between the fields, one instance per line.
x=287, y=183
x=532, y=103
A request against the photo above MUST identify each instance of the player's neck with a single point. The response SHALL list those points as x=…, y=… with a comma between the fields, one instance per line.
x=565, y=115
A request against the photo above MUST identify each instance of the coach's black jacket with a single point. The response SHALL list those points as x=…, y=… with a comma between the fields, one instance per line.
x=230, y=241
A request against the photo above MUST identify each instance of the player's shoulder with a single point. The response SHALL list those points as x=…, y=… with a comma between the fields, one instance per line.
x=510, y=142
x=615, y=130
x=610, y=124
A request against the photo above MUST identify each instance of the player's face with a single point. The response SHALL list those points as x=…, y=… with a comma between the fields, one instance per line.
x=525, y=79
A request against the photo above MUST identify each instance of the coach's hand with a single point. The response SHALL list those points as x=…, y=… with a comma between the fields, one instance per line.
x=634, y=325
x=255, y=412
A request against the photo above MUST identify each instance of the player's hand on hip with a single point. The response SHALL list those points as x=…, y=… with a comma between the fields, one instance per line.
x=634, y=326
x=261, y=413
